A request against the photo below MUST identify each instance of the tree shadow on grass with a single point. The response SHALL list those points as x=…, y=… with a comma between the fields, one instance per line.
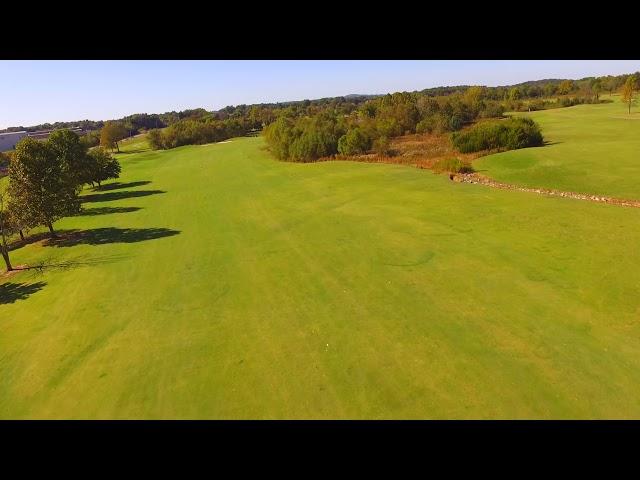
x=111, y=196
x=103, y=236
x=135, y=150
x=29, y=239
x=106, y=211
x=119, y=185
x=11, y=292
x=52, y=263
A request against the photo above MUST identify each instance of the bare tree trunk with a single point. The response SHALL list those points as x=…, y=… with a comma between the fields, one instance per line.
x=7, y=261
x=53, y=233
x=3, y=239
x=21, y=235
x=4, y=249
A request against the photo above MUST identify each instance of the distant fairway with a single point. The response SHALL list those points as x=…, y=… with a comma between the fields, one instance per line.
x=215, y=282
x=593, y=149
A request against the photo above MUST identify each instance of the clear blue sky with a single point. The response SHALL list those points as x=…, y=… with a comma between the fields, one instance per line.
x=33, y=92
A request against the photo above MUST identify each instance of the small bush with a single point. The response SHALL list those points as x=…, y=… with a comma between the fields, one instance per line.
x=452, y=165
x=91, y=139
x=382, y=146
x=4, y=160
x=510, y=134
x=426, y=126
x=455, y=122
x=155, y=140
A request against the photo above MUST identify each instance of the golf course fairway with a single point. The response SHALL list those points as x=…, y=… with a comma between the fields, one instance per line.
x=214, y=282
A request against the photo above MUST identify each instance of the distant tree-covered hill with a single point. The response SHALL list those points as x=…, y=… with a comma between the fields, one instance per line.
x=530, y=89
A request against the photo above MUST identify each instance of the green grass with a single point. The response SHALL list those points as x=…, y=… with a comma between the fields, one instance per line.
x=592, y=149
x=328, y=290
x=134, y=144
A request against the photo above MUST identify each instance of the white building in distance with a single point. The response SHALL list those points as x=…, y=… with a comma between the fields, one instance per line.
x=8, y=140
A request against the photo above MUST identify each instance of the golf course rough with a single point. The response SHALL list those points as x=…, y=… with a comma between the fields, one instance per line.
x=218, y=283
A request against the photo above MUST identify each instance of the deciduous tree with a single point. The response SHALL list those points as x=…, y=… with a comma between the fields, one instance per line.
x=111, y=134
x=39, y=187
x=354, y=142
x=596, y=87
x=628, y=90
x=72, y=155
x=565, y=87
x=104, y=166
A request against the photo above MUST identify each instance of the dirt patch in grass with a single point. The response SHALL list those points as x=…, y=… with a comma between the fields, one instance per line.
x=16, y=269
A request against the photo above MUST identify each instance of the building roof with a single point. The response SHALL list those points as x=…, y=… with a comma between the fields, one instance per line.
x=12, y=133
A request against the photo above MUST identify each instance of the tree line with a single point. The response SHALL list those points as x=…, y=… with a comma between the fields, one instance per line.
x=45, y=181
x=587, y=86
x=512, y=97
x=372, y=124
x=199, y=132
x=306, y=135
x=142, y=122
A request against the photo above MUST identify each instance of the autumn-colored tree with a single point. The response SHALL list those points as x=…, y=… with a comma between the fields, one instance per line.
x=39, y=186
x=628, y=90
x=111, y=134
x=565, y=87
x=473, y=95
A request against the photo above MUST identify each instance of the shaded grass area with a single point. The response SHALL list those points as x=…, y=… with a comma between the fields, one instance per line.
x=112, y=196
x=327, y=290
x=102, y=236
x=120, y=185
x=107, y=210
x=12, y=292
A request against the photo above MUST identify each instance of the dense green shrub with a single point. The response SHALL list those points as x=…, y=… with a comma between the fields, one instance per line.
x=382, y=146
x=4, y=160
x=196, y=132
x=354, y=142
x=91, y=139
x=279, y=135
x=491, y=110
x=304, y=139
x=154, y=137
x=426, y=126
x=510, y=134
x=452, y=165
x=455, y=122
